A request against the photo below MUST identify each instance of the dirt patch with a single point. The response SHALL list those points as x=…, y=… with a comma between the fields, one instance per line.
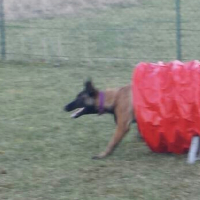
x=40, y=8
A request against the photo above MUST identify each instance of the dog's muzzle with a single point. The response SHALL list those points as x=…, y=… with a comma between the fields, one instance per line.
x=76, y=113
x=66, y=108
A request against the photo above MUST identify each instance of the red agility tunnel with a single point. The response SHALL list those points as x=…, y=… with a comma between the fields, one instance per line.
x=166, y=100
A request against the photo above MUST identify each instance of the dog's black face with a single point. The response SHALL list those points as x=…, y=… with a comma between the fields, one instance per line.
x=84, y=102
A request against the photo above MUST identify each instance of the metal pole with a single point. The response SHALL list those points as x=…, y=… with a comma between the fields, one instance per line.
x=2, y=29
x=178, y=31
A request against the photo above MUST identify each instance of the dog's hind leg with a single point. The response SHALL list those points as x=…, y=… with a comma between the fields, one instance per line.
x=123, y=125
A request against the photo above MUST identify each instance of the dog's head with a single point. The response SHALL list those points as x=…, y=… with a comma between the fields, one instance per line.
x=84, y=103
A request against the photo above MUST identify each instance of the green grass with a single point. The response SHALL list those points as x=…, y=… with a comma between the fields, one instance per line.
x=121, y=32
x=143, y=31
x=47, y=155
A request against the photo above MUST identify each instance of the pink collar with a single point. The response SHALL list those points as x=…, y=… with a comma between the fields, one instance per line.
x=101, y=102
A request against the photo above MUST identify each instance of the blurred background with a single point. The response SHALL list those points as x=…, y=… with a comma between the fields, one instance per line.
x=107, y=31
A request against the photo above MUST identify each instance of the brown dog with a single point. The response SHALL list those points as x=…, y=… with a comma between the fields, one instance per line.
x=115, y=101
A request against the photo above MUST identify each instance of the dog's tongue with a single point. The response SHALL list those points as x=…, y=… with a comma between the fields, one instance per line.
x=77, y=111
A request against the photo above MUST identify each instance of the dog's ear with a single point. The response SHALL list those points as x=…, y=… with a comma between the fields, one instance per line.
x=90, y=89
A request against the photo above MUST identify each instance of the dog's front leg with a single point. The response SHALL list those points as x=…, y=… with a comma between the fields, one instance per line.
x=120, y=132
x=124, y=116
x=123, y=125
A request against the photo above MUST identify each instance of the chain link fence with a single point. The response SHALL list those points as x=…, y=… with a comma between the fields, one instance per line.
x=109, y=31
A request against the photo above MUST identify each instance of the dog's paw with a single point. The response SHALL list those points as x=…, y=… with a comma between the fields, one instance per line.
x=100, y=156
x=95, y=157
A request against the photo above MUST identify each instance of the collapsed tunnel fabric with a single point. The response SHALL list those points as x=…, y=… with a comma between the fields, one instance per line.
x=166, y=102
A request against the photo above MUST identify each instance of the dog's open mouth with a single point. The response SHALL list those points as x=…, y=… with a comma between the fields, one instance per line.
x=77, y=112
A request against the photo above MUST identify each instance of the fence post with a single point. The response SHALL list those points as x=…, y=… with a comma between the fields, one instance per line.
x=2, y=29
x=178, y=31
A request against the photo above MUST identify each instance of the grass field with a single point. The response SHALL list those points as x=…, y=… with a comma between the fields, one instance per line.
x=131, y=32
x=118, y=32
x=46, y=155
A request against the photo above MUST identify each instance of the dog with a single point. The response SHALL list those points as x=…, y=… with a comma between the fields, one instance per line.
x=117, y=101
